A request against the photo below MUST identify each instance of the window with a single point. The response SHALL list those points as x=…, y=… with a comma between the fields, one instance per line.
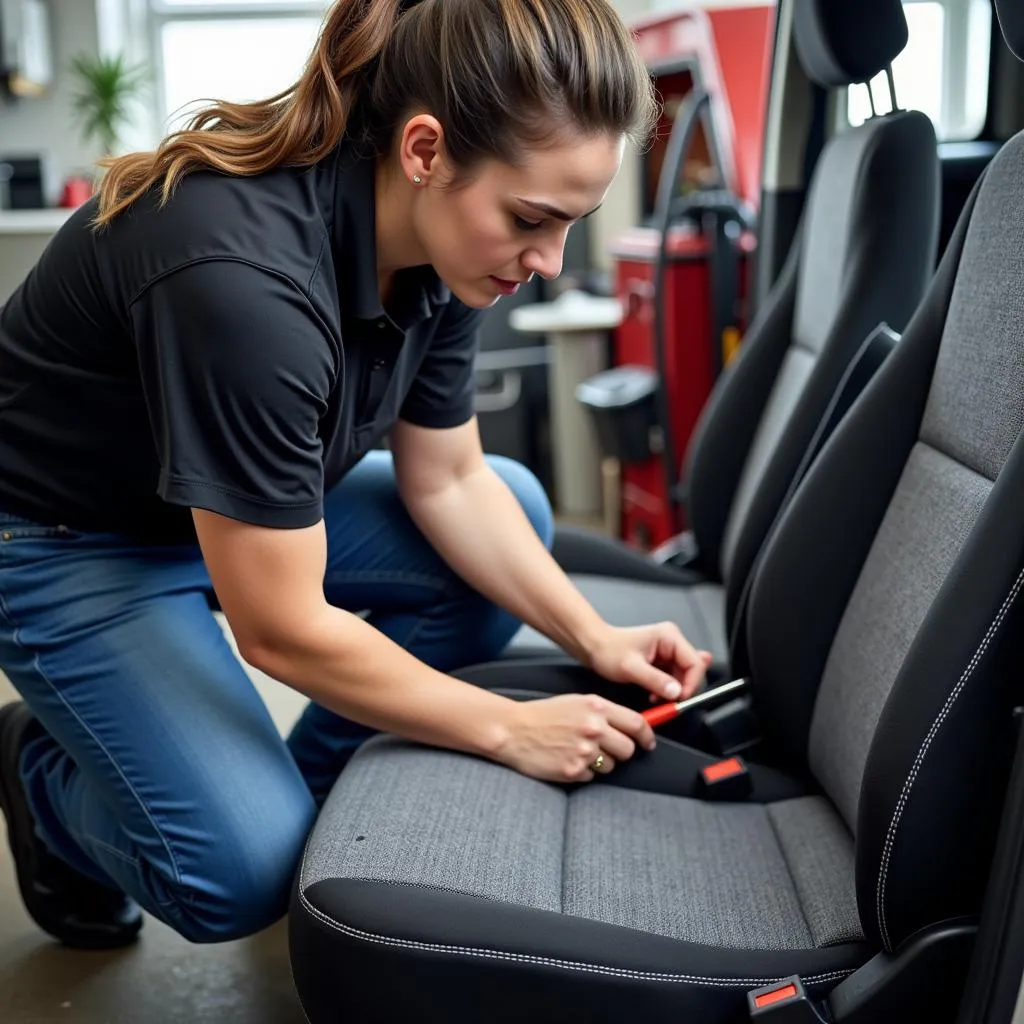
x=237, y=50
x=943, y=71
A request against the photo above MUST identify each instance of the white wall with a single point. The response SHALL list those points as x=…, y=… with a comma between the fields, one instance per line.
x=45, y=126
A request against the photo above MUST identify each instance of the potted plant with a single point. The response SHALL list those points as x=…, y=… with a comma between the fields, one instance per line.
x=108, y=86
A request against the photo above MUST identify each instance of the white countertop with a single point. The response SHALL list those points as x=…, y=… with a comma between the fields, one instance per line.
x=32, y=222
x=571, y=311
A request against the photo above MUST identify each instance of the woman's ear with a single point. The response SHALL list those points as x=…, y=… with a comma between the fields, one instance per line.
x=421, y=150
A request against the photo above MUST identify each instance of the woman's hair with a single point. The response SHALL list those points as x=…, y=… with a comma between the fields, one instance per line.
x=497, y=74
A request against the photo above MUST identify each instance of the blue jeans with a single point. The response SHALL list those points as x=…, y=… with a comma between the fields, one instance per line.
x=156, y=768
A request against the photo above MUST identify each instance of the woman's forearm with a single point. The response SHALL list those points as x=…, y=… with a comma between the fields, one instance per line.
x=347, y=666
x=479, y=528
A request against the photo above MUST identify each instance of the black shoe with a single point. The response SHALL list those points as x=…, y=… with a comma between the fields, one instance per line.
x=63, y=902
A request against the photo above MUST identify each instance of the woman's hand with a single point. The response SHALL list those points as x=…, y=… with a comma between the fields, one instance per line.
x=560, y=739
x=658, y=658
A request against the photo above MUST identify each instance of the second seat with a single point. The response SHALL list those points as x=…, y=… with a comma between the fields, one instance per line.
x=864, y=255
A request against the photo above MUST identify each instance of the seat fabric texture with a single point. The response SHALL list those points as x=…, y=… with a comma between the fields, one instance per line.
x=759, y=877
x=587, y=883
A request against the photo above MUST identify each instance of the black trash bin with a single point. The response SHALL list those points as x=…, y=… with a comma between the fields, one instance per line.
x=623, y=404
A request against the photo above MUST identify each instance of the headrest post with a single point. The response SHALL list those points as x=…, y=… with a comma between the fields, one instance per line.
x=871, y=98
x=892, y=88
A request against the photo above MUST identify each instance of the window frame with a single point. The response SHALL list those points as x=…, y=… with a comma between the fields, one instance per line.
x=163, y=12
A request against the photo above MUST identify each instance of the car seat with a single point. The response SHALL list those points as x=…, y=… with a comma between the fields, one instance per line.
x=885, y=634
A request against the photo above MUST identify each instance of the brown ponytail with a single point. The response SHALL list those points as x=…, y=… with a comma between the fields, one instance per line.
x=496, y=74
x=297, y=127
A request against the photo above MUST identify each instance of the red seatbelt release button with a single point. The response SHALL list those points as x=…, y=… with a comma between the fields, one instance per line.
x=724, y=780
x=784, y=1002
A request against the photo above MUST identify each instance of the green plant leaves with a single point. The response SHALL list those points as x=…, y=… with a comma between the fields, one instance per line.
x=107, y=86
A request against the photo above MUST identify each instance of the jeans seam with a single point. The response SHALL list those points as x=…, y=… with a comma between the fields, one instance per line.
x=81, y=838
x=37, y=666
x=4, y=610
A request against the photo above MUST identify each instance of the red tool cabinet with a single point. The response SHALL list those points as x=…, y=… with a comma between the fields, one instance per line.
x=727, y=54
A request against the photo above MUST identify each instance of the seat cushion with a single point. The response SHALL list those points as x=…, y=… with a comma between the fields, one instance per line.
x=684, y=903
x=698, y=610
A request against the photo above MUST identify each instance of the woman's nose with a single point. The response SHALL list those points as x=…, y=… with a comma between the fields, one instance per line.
x=545, y=261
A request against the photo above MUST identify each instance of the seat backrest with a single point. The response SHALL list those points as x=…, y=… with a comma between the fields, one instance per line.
x=885, y=625
x=864, y=254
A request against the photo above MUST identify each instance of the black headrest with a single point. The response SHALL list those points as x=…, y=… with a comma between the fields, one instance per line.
x=1011, y=21
x=841, y=42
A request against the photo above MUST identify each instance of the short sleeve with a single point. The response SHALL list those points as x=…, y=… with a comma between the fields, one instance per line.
x=443, y=392
x=236, y=370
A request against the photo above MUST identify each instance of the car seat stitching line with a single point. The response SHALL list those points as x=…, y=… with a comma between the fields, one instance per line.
x=494, y=954
x=922, y=753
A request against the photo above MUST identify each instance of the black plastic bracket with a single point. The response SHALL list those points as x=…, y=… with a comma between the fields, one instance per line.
x=731, y=728
x=922, y=981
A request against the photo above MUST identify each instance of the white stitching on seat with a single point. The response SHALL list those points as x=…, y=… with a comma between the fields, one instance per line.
x=922, y=752
x=523, y=958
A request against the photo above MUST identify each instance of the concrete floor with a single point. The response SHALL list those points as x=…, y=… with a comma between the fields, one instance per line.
x=162, y=979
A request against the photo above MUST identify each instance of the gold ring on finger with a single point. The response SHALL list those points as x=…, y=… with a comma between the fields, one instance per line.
x=598, y=763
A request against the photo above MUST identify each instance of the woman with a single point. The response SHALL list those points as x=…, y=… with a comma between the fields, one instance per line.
x=193, y=379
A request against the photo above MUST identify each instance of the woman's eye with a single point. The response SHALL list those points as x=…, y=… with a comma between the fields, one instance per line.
x=526, y=225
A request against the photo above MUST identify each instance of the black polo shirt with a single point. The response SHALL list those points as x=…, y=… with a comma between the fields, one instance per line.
x=229, y=352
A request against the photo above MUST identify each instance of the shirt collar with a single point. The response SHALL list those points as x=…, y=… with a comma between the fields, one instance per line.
x=418, y=290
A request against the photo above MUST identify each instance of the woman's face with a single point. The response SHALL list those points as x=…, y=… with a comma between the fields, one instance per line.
x=487, y=237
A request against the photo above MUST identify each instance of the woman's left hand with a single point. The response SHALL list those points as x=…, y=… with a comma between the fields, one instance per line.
x=657, y=657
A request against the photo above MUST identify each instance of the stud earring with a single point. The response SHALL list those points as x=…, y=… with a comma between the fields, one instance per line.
x=417, y=180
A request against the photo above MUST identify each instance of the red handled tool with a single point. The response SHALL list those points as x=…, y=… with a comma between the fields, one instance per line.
x=666, y=712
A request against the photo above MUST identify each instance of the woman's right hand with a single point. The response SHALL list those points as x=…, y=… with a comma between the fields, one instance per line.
x=558, y=739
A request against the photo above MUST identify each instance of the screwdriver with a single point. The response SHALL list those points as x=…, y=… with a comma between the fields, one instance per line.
x=666, y=712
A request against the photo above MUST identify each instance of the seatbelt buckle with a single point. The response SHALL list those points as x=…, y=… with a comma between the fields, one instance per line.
x=783, y=1002
x=724, y=780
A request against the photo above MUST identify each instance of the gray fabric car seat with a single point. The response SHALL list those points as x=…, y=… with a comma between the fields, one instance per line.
x=886, y=635
x=865, y=253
